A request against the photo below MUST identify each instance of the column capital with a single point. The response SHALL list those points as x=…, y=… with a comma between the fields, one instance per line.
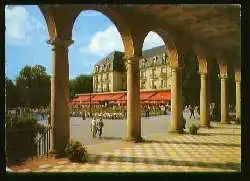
x=60, y=42
x=203, y=74
x=133, y=59
x=222, y=76
x=237, y=76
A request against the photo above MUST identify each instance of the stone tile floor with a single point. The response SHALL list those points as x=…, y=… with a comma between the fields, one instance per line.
x=214, y=149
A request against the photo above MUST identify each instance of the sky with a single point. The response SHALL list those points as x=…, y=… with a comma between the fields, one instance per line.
x=94, y=35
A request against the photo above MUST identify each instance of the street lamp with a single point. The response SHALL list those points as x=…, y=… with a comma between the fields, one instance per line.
x=90, y=113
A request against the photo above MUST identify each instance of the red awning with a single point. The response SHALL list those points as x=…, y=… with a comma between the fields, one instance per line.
x=146, y=95
x=161, y=96
x=116, y=97
x=101, y=97
x=83, y=98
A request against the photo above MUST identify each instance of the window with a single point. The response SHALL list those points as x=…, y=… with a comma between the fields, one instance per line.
x=152, y=84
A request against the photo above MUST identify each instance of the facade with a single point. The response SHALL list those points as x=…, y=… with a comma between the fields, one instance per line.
x=110, y=74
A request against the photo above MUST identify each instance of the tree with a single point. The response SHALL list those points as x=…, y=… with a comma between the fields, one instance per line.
x=34, y=86
x=81, y=84
x=12, y=97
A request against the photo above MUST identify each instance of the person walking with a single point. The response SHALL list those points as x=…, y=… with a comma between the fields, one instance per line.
x=191, y=112
x=100, y=126
x=83, y=115
x=93, y=127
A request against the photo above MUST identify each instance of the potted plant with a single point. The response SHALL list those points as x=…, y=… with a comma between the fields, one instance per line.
x=76, y=152
x=192, y=127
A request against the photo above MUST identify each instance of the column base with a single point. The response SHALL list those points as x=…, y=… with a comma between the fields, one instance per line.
x=227, y=122
x=205, y=126
x=136, y=139
x=178, y=131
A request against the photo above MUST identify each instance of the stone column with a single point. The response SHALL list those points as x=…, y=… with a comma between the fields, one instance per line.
x=60, y=95
x=133, y=99
x=204, y=121
x=176, y=97
x=224, y=101
x=238, y=94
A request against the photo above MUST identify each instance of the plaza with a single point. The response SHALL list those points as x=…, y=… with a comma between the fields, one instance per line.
x=217, y=149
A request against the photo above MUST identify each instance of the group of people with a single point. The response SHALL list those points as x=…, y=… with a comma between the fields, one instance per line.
x=97, y=126
x=192, y=109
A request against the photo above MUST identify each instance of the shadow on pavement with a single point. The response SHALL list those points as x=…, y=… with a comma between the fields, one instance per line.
x=195, y=143
x=213, y=134
x=95, y=159
x=111, y=138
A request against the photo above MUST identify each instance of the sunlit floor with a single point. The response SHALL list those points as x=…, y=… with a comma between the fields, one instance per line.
x=214, y=149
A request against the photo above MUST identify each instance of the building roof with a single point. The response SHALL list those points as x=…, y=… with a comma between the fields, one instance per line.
x=115, y=55
x=154, y=51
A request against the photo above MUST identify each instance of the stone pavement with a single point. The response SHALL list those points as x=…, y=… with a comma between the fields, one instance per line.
x=214, y=149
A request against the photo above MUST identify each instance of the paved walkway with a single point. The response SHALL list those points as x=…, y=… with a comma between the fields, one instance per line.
x=214, y=149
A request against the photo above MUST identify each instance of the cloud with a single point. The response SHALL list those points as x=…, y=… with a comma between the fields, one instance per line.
x=152, y=40
x=21, y=27
x=104, y=42
x=91, y=13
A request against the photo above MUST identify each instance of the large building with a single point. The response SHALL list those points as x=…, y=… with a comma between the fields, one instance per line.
x=109, y=74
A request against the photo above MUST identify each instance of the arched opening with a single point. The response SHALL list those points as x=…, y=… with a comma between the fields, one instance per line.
x=28, y=66
x=153, y=63
x=26, y=34
x=97, y=71
x=155, y=84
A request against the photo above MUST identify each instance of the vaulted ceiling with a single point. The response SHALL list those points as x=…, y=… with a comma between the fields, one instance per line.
x=217, y=28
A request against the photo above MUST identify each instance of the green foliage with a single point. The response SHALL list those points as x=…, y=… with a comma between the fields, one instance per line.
x=12, y=94
x=192, y=126
x=76, y=151
x=81, y=84
x=33, y=81
x=139, y=139
x=20, y=135
x=20, y=121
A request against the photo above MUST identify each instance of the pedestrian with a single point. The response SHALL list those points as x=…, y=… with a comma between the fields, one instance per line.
x=93, y=127
x=83, y=115
x=191, y=112
x=100, y=126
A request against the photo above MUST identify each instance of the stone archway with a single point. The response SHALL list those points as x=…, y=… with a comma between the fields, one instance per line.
x=60, y=32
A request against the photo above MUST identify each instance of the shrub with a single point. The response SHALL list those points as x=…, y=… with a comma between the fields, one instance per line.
x=20, y=135
x=192, y=127
x=76, y=152
x=138, y=139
